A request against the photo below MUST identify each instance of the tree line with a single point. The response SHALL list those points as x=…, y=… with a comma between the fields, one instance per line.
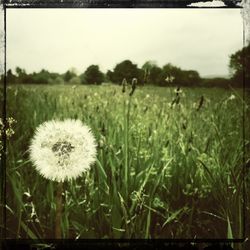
x=149, y=74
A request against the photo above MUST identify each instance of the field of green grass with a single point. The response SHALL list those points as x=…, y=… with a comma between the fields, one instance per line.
x=163, y=170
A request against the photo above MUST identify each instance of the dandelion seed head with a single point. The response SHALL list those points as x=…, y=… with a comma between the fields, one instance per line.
x=62, y=150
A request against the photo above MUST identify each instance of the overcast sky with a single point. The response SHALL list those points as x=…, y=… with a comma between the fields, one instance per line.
x=59, y=39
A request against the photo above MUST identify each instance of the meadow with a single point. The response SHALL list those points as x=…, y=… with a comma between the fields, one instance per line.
x=164, y=169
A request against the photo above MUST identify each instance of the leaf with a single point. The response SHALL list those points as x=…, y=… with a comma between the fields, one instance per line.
x=229, y=229
x=103, y=176
x=124, y=210
x=101, y=169
x=29, y=232
x=119, y=229
x=207, y=170
x=173, y=216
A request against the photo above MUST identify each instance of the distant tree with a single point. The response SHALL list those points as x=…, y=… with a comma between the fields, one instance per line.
x=82, y=78
x=140, y=77
x=110, y=76
x=155, y=76
x=53, y=76
x=75, y=80
x=22, y=76
x=127, y=70
x=215, y=82
x=57, y=80
x=69, y=75
x=147, y=67
x=20, y=72
x=239, y=66
x=42, y=77
x=93, y=75
x=10, y=77
x=190, y=78
x=170, y=71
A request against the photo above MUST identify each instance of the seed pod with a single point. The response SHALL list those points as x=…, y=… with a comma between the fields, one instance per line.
x=124, y=83
x=134, y=83
x=200, y=103
x=27, y=198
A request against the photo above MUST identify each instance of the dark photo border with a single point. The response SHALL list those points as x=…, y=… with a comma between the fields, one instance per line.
x=124, y=244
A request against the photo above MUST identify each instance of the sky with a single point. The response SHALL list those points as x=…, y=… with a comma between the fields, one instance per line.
x=61, y=39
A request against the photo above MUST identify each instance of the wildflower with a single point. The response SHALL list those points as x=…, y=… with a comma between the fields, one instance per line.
x=178, y=91
x=169, y=79
x=62, y=150
x=231, y=97
x=9, y=131
x=102, y=141
x=157, y=203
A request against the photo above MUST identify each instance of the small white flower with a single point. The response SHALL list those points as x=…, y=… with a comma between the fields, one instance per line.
x=62, y=150
x=169, y=79
x=179, y=91
x=231, y=97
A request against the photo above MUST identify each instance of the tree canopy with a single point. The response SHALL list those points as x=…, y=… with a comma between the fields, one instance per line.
x=125, y=69
x=239, y=66
x=148, y=74
x=93, y=75
x=69, y=75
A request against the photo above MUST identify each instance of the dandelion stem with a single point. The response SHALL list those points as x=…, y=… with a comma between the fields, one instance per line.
x=19, y=222
x=58, y=233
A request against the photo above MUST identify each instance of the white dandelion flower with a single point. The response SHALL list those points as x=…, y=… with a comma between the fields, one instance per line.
x=62, y=150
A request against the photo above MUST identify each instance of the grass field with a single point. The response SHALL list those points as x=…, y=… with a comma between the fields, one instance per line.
x=162, y=170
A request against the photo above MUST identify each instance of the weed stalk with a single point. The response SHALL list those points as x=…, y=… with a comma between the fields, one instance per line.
x=58, y=232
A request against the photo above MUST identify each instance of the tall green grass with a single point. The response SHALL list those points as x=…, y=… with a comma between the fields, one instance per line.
x=162, y=170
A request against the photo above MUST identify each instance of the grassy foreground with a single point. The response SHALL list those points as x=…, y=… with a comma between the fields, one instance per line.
x=163, y=170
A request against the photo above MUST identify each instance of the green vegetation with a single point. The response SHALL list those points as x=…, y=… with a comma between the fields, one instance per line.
x=149, y=74
x=240, y=66
x=166, y=167
x=93, y=75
